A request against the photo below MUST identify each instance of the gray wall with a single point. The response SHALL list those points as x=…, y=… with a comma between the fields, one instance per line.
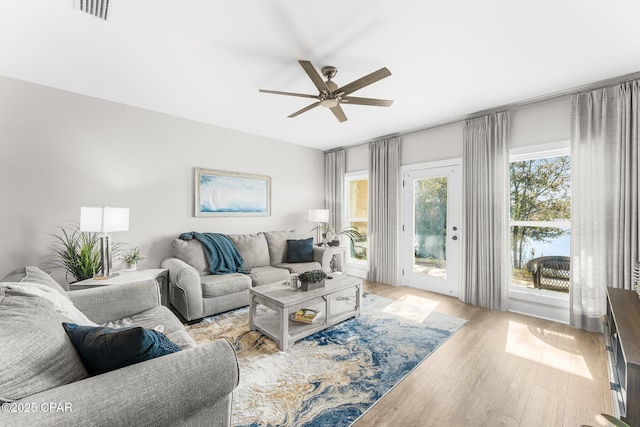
x=533, y=124
x=61, y=151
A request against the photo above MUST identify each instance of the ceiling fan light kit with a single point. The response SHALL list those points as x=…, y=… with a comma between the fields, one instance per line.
x=331, y=96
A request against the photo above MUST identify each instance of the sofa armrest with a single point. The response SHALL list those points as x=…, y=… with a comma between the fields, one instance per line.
x=185, y=288
x=162, y=391
x=113, y=302
x=323, y=255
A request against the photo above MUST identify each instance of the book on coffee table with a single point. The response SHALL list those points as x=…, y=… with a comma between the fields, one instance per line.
x=305, y=315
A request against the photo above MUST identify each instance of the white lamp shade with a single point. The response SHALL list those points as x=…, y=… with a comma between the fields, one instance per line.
x=104, y=220
x=91, y=219
x=319, y=215
x=116, y=219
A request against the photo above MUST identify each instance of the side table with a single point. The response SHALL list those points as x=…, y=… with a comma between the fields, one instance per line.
x=161, y=275
x=341, y=253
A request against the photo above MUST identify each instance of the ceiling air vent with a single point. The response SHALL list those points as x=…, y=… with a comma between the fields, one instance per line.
x=97, y=8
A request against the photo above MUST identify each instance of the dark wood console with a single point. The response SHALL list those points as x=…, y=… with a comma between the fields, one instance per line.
x=622, y=338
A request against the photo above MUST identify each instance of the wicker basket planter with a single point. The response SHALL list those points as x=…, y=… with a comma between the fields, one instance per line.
x=309, y=286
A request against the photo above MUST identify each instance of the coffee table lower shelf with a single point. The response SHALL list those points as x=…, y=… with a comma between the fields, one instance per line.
x=281, y=302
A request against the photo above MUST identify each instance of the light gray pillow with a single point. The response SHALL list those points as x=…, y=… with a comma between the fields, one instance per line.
x=33, y=274
x=36, y=353
x=277, y=241
x=252, y=248
x=192, y=252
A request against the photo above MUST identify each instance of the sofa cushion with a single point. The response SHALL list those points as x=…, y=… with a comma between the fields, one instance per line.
x=182, y=339
x=33, y=274
x=300, y=250
x=252, y=248
x=36, y=354
x=104, y=349
x=263, y=275
x=192, y=252
x=215, y=285
x=300, y=267
x=277, y=241
x=149, y=319
x=154, y=317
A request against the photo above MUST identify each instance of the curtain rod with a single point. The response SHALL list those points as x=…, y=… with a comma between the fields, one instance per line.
x=573, y=91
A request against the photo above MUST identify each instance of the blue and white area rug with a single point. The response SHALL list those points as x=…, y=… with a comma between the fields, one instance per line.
x=332, y=377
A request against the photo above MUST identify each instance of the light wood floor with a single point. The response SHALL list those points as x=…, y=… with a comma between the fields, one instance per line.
x=499, y=369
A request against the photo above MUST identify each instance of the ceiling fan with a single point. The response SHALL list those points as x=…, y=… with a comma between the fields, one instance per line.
x=331, y=96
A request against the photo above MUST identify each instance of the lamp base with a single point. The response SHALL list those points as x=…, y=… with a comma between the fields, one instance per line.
x=105, y=277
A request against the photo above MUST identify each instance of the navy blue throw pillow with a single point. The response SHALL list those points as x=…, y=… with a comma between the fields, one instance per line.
x=104, y=349
x=300, y=250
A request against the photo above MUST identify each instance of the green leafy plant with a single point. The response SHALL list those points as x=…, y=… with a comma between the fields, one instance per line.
x=132, y=256
x=350, y=231
x=77, y=253
x=312, y=276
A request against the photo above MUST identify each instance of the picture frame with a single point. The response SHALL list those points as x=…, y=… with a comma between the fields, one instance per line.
x=222, y=193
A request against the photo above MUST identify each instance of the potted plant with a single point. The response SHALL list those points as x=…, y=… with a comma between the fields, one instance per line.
x=313, y=279
x=332, y=236
x=131, y=258
x=76, y=253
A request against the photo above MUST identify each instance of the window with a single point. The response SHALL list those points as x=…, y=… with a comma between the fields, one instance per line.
x=357, y=210
x=540, y=215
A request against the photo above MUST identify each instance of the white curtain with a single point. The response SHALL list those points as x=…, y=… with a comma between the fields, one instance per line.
x=334, y=170
x=485, y=263
x=604, y=205
x=384, y=178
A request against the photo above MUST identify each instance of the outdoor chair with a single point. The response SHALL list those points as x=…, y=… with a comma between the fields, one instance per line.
x=550, y=272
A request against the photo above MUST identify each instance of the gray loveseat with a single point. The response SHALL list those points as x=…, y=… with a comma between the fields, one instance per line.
x=197, y=293
x=47, y=384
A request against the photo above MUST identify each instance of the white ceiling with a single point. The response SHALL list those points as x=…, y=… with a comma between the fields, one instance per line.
x=206, y=59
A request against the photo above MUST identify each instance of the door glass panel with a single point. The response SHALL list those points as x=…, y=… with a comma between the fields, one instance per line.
x=430, y=227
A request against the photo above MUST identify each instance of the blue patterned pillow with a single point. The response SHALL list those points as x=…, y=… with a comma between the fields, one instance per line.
x=104, y=349
x=300, y=250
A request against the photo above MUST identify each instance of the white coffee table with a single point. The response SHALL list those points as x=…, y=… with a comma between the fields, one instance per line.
x=337, y=301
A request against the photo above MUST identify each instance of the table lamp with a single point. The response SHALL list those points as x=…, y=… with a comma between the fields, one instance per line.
x=320, y=217
x=103, y=221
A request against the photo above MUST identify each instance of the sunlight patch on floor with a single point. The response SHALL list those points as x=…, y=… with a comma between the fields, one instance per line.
x=412, y=307
x=547, y=347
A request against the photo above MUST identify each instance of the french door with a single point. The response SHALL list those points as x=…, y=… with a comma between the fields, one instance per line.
x=431, y=228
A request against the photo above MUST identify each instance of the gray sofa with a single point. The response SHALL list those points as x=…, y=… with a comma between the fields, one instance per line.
x=197, y=293
x=41, y=367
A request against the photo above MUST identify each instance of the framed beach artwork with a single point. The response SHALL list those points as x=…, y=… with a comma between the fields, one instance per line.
x=220, y=193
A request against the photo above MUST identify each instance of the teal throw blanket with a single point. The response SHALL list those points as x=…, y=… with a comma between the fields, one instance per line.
x=224, y=257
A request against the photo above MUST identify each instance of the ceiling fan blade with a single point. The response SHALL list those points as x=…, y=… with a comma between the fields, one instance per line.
x=277, y=92
x=367, y=101
x=307, y=108
x=314, y=76
x=364, y=81
x=339, y=113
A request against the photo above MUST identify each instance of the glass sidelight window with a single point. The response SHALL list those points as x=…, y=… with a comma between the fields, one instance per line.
x=357, y=208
